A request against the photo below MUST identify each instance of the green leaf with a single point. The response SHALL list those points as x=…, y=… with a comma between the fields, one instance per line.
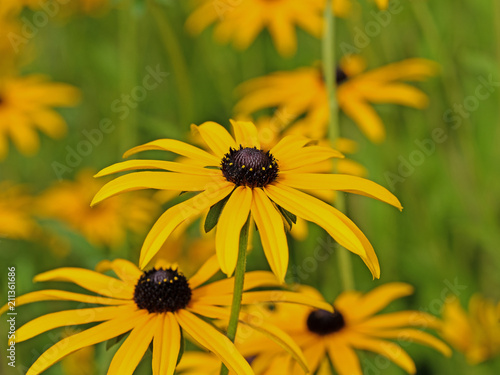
x=288, y=216
x=112, y=342
x=182, y=348
x=213, y=215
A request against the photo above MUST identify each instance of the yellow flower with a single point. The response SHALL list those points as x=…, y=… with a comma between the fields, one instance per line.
x=240, y=22
x=324, y=336
x=303, y=91
x=81, y=362
x=25, y=105
x=476, y=334
x=247, y=180
x=382, y=4
x=16, y=219
x=69, y=202
x=155, y=306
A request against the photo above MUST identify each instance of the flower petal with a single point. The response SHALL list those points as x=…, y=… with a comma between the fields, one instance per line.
x=208, y=337
x=166, y=345
x=131, y=165
x=233, y=217
x=216, y=137
x=365, y=117
x=177, y=147
x=124, y=269
x=288, y=145
x=344, y=358
x=272, y=233
x=90, y=280
x=342, y=182
x=91, y=336
x=308, y=156
x=245, y=133
x=401, y=319
x=177, y=214
x=206, y=271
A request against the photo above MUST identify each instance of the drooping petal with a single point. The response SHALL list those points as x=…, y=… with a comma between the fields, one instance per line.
x=272, y=233
x=343, y=357
x=398, y=93
x=245, y=133
x=288, y=145
x=401, y=319
x=208, y=337
x=131, y=165
x=205, y=272
x=366, y=118
x=176, y=215
x=313, y=354
x=216, y=137
x=91, y=336
x=166, y=345
x=155, y=180
x=90, y=280
x=233, y=217
x=177, y=147
x=342, y=182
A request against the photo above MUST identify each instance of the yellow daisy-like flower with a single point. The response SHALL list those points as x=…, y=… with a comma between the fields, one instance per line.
x=249, y=181
x=324, y=336
x=16, y=220
x=240, y=22
x=69, y=202
x=476, y=334
x=155, y=306
x=303, y=91
x=25, y=105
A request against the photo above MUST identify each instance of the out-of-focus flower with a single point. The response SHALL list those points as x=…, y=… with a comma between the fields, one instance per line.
x=16, y=213
x=477, y=333
x=303, y=91
x=155, y=306
x=69, y=202
x=26, y=105
x=324, y=336
x=382, y=4
x=248, y=180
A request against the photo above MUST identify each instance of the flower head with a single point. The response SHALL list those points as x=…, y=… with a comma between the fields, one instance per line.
x=325, y=335
x=155, y=305
x=238, y=179
x=303, y=91
x=17, y=220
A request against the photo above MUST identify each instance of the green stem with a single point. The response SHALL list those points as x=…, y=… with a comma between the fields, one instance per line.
x=329, y=68
x=239, y=278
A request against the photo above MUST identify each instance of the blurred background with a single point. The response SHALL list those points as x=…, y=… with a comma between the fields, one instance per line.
x=136, y=74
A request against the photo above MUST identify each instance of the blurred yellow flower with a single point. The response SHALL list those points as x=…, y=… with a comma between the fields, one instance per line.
x=246, y=181
x=155, y=306
x=382, y=4
x=16, y=215
x=69, y=202
x=324, y=336
x=477, y=333
x=303, y=91
x=25, y=105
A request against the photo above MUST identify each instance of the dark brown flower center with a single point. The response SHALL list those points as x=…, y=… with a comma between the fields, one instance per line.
x=249, y=167
x=161, y=290
x=340, y=76
x=324, y=322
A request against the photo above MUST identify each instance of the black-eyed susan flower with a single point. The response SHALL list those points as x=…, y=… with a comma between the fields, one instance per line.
x=26, y=105
x=248, y=180
x=303, y=91
x=157, y=306
x=476, y=334
x=107, y=225
x=17, y=220
x=325, y=336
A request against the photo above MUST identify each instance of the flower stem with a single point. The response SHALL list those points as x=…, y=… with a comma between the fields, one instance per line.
x=239, y=278
x=329, y=67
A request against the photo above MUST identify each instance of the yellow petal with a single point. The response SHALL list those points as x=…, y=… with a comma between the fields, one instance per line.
x=288, y=146
x=176, y=215
x=313, y=354
x=398, y=93
x=206, y=271
x=155, y=180
x=365, y=117
x=179, y=148
x=272, y=233
x=344, y=359
x=233, y=217
x=127, y=358
x=124, y=269
x=308, y=156
x=342, y=182
x=91, y=336
x=90, y=280
x=216, y=137
x=401, y=319
x=166, y=345
x=131, y=165
x=245, y=133
x=211, y=339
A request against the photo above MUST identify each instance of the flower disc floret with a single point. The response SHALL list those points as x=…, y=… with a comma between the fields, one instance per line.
x=250, y=167
x=161, y=290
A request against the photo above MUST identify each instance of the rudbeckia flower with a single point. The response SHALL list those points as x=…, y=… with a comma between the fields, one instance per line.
x=157, y=306
x=240, y=22
x=25, y=105
x=476, y=333
x=248, y=180
x=106, y=225
x=17, y=220
x=325, y=336
x=303, y=91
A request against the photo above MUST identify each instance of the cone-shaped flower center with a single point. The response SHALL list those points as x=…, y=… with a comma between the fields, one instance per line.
x=324, y=322
x=249, y=166
x=160, y=290
x=340, y=76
